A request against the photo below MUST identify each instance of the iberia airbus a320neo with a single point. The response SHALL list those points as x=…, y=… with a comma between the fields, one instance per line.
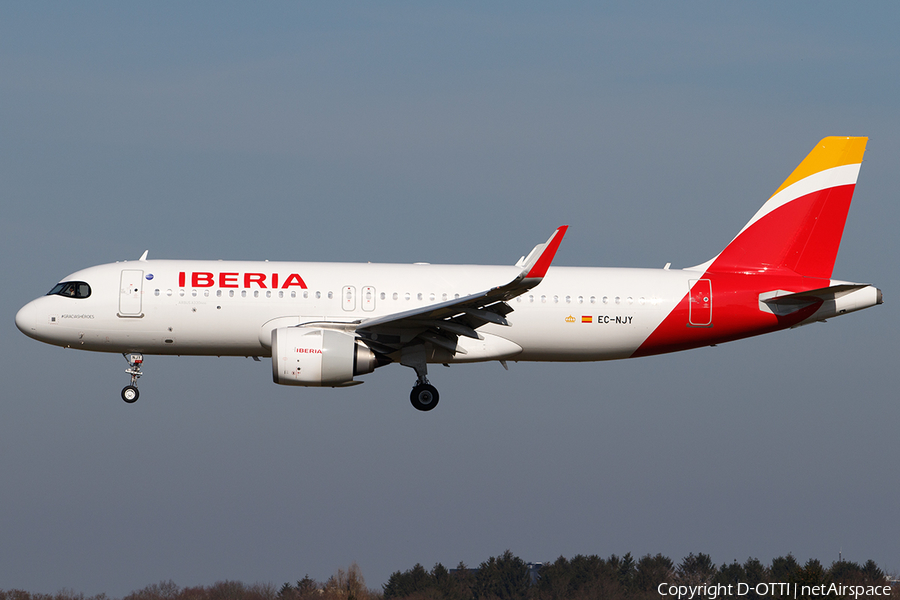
x=323, y=324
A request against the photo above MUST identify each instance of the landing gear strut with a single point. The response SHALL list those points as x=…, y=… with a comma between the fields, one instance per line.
x=424, y=396
x=130, y=393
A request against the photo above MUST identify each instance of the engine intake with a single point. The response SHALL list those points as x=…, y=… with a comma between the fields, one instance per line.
x=319, y=357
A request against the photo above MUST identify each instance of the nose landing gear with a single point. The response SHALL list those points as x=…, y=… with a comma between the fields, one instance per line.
x=130, y=393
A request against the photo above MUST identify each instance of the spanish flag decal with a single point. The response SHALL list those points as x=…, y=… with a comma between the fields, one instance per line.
x=586, y=319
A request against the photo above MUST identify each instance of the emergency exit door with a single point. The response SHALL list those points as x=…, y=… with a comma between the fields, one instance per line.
x=368, y=298
x=348, y=297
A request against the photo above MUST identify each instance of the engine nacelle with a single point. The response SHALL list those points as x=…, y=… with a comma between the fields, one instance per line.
x=318, y=357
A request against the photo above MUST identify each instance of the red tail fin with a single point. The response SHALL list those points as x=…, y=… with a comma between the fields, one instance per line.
x=799, y=229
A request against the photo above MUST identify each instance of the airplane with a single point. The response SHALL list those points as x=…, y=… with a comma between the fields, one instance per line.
x=324, y=324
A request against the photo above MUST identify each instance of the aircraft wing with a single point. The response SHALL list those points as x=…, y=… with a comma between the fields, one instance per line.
x=442, y=323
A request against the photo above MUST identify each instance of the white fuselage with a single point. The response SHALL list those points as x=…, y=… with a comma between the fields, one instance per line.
x=230, y=307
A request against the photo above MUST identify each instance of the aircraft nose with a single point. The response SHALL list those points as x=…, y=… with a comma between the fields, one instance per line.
x=26, y=319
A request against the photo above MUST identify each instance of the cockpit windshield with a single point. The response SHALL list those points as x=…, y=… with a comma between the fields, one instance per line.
x=71, y=289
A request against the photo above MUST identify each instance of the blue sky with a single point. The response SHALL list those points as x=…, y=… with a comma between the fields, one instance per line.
x=403, y=132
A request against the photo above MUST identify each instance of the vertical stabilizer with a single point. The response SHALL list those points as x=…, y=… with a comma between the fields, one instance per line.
x=799, y=229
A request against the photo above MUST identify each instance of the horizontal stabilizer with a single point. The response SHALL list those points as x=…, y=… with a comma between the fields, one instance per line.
x=837, y=299
x=810, y=296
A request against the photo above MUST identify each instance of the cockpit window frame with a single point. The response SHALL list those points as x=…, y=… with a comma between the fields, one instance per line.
x=71, y=289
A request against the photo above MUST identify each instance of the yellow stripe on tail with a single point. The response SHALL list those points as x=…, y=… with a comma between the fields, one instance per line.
x=834, y=151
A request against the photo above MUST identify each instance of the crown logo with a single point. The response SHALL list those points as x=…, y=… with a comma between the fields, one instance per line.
x=570, y=319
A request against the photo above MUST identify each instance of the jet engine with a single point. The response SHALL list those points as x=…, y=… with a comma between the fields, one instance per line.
x=319, y=357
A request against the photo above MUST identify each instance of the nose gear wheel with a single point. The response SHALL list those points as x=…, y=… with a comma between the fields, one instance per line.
x=130, y=393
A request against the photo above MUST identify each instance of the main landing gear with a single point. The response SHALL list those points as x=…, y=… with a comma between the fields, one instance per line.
x=424, y=396
x=130, y=393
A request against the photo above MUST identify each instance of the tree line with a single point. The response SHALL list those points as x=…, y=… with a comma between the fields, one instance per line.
x=508, y=577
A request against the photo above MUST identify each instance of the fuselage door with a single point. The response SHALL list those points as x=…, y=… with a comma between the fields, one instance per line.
x=130, y=292
x=700, y=310
x=348, y=297
x=368, y=298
